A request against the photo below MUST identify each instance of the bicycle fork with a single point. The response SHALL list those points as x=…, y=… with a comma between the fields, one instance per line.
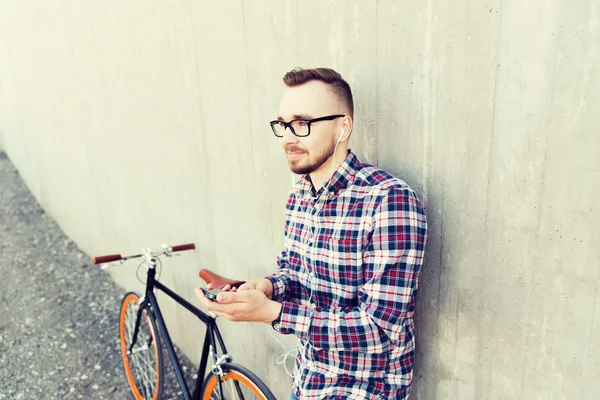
x=137, y=326
x=143, y=303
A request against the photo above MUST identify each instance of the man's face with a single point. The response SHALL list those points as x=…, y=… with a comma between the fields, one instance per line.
x=310, y=100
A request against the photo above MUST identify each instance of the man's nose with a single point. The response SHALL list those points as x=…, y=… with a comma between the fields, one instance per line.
x=288, y=136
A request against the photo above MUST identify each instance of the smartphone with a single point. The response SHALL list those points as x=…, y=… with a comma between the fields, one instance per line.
x=209, y=295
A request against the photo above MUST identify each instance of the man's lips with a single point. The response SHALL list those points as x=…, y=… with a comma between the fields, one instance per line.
x=294, y=153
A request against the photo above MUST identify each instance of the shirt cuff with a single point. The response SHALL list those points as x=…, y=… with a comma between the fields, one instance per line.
x=278, y=287
x=295, y=319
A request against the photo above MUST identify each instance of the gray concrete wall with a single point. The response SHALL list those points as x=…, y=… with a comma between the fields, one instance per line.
x=141, y=122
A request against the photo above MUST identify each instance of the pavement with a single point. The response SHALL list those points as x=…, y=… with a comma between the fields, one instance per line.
x=58, y=313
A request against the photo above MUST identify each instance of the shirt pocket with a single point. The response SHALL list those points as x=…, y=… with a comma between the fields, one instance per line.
x=342, y=250
x=343, y=266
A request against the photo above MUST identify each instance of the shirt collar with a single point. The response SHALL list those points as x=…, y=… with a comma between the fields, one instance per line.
x=338, y=181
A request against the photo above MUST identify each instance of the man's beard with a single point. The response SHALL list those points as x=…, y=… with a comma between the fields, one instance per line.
x=316, y=164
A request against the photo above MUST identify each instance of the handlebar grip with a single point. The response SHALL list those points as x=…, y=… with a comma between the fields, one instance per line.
x=105, y=259
x=182, y=247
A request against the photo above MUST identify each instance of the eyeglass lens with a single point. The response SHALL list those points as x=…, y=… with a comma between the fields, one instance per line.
x=300, y=128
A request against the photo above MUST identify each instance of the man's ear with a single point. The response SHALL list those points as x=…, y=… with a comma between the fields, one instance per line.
x=346, y=129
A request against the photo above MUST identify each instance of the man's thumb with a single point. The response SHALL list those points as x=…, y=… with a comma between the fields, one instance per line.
x=224, y=297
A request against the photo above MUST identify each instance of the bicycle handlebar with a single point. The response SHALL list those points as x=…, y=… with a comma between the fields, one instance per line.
x=105, y=259
x=183, y=247
x=166, y=251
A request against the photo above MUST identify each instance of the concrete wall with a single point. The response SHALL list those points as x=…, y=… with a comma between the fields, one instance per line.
x=140, y=122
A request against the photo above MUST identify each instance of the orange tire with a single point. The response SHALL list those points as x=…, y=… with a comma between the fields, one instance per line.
x=144, y=364
x=238, y=383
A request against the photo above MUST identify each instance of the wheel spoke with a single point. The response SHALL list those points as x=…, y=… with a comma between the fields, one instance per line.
x=141, y=364
x=145, y=379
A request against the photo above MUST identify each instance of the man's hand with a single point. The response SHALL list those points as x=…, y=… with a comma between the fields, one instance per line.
x=262, y=285
x=243, y=305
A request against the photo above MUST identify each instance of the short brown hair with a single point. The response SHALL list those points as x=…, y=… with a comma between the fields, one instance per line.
x=338, y=85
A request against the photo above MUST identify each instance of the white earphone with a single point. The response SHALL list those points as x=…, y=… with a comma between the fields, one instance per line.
x=281, y=360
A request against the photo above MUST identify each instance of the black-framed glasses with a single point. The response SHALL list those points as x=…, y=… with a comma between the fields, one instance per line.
x=299, y=127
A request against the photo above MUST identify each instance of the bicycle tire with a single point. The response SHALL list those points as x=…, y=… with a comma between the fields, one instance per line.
x=232, y=374
x=145, y=378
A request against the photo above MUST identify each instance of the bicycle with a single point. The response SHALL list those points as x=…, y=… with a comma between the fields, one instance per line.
x=141, y=327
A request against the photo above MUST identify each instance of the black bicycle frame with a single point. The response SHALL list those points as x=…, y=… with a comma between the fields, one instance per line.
x=150, y=303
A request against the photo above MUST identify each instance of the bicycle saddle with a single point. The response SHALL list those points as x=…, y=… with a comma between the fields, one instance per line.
x=218, y=280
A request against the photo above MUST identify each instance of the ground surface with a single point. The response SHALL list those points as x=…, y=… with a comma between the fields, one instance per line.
x=58, y=313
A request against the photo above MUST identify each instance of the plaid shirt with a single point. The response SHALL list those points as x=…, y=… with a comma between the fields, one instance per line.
x=348, y=283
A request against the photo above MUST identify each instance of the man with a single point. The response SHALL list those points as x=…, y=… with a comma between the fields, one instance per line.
x=355, y=237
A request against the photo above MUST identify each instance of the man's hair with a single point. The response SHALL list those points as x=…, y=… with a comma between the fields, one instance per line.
x=334, y=80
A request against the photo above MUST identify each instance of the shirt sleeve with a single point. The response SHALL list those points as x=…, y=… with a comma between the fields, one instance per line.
x=282, y=278
x=391, y=261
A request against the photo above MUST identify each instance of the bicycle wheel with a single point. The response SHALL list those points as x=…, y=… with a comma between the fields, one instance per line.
x=238, y=383
x=144, y=365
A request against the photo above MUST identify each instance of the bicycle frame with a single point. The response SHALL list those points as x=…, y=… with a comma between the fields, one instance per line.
x=150, y=303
